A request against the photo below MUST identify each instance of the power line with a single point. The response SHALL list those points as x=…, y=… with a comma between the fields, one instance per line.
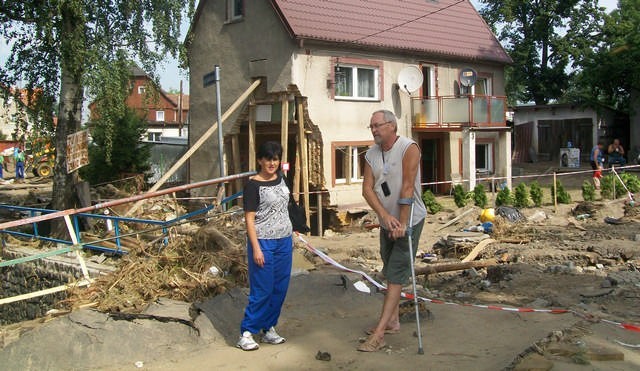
x=409, y=21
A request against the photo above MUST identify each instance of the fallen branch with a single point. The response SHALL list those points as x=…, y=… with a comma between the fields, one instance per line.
x=514, y=240
x=439, y=268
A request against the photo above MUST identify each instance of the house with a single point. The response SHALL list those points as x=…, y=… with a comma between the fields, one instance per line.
x=325, y=66
x=167, y=114
x=18, y=113
x=542, y=132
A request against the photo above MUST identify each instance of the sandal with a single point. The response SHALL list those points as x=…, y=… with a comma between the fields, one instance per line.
x=386, y=331
x=372, y=345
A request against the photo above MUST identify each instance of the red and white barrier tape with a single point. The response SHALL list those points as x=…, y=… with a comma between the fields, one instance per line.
x=328, y=259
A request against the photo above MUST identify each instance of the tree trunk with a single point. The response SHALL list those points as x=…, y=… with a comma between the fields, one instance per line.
x=70, y=108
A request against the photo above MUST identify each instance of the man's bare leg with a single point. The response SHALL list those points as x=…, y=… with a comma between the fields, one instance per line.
x=389, y=318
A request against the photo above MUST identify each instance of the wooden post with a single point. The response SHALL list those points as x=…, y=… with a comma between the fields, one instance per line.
x=235, y=149
x=304, y=160
x=296, y=177
x=197, y=144
x=555, y=193
x=252, y=135
x=284, y=131
x=320, y=214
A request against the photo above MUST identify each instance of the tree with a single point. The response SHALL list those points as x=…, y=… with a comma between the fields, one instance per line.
x=542, y=37
x=129, y=154
x=66, y=46
x=610, y=71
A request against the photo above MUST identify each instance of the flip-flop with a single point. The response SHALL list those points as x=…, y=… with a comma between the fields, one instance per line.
x=386, y=331
x=372, y=345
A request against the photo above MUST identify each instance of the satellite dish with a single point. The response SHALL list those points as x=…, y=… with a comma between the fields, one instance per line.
x=468, y=76
x=410, y=79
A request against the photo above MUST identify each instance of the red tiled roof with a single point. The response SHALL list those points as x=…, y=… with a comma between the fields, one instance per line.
x=175, y=98
x=441, y=27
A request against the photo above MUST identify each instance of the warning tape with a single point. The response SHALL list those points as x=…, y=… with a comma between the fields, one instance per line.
x=328, y=259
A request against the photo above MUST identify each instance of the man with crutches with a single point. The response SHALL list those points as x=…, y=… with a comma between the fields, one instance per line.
x=391, y=187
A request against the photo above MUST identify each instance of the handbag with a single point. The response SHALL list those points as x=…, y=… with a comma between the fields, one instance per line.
x=297, y=216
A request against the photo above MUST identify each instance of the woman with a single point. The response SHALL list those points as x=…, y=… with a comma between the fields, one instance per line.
x=269, y=248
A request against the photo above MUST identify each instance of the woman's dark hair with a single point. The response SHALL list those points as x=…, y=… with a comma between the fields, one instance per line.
x=270, y=150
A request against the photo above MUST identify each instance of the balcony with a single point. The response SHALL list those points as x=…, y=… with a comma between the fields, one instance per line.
x=458, y=111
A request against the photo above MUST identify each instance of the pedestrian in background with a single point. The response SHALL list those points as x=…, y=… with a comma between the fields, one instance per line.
x=269, y=248
x=597, y=163
x=19, y=157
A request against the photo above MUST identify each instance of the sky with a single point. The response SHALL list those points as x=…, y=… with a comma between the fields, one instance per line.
x=170, y=74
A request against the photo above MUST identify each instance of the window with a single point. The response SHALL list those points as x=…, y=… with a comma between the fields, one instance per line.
x=484, y=157
x=482, y=86
x=348, y=162
x=356, y=82
x=428, y=81
x=235, y=10
x=159, y=115
x=141, y=89
x=154, y=137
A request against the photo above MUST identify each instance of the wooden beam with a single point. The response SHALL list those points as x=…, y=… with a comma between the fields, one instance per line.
x=304, y=160
x=252, y=135
x=235, y=149
x=198, y=144
x=284, y=130
x=430, y=269
x=296, y=176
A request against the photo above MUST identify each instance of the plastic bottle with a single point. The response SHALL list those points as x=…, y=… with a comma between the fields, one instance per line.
x=583, y=216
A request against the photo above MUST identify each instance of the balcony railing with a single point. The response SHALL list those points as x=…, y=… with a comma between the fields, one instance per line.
x=458, y=111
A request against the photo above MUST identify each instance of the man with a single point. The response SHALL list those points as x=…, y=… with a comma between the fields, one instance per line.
x=19, y=157
x=391, y=185
x=597, y=163
x=616, y=153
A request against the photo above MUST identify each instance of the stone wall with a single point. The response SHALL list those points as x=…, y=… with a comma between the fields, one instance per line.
x=40, y=274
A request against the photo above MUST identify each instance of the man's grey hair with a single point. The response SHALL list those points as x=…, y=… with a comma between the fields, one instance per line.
x=388, y=116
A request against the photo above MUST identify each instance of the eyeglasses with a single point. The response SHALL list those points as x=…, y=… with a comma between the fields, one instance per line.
x=378, y=125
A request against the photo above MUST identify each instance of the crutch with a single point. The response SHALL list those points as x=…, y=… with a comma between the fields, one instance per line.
x=413, y=279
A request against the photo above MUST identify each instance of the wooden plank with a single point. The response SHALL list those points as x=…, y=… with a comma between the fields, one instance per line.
x=455, y=219
x=476, y=250
x=305, y=162
x=197, y=145
x=252, y=135
x=36, y=294
x=296, y=176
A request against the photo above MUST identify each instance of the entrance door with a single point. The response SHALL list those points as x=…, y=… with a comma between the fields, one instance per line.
x=431, y=163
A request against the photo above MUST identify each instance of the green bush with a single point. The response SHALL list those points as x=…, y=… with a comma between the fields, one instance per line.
x=521, y=196
x=562, y=197
x=536, y=194
x=460, y=196
x=479, y=196
x=607, y=184
x=430, y=202
x=504, y=197
x=588, y=191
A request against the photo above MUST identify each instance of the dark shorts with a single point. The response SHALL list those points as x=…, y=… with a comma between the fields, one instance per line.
x=395, y=255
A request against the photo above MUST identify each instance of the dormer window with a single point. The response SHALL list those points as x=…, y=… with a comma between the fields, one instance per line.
x=235, y=10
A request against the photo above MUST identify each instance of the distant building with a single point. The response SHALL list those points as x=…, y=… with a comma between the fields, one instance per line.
x=167, y=114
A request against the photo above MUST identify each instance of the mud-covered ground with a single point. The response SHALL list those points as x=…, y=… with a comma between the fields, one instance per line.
x=552, y=261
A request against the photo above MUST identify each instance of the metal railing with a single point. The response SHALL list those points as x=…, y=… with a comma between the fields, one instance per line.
x=74, y=234
x=458, y=111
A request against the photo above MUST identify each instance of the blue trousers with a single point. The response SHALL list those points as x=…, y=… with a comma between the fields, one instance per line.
x=20, y=170
x=268, y=285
